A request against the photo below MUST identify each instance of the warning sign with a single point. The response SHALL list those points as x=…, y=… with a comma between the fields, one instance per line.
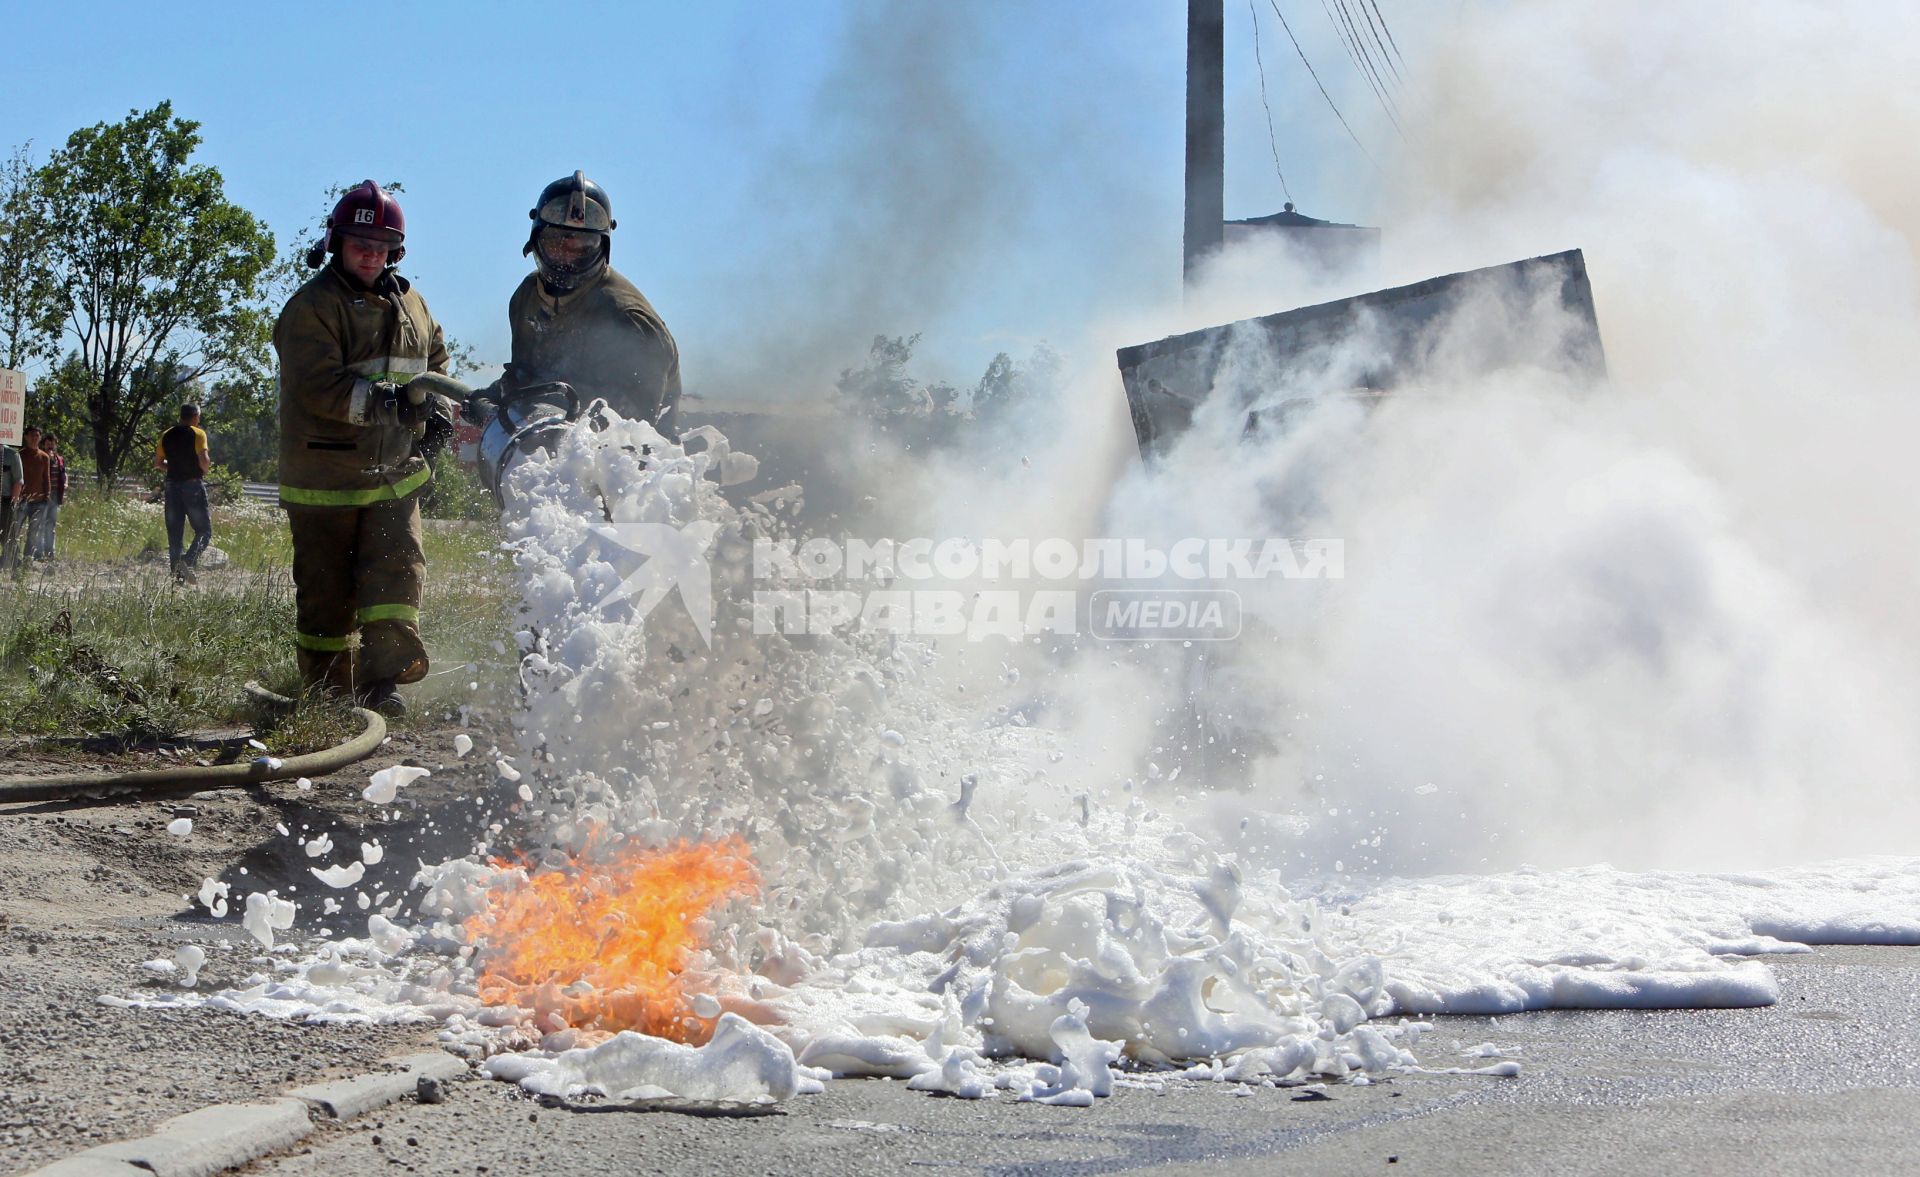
x=13, y=405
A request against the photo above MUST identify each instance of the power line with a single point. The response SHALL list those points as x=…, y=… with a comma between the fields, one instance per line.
x=1363, y=61
x=1323, y=90
x=1354, y=45
x=1388, y=31
x=1272, y=143
x=1340, y=34
x=1343, y=34
x=1386, y=88
x=1368, y=11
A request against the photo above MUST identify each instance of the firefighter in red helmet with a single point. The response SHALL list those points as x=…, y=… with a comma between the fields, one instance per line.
x=352, y=452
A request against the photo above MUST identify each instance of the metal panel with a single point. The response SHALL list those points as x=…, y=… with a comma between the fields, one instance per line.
x=1168, y=380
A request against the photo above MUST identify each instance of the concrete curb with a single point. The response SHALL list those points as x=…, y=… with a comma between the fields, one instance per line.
x=86, y=1166
x=202, y=1143
x=344, y=1099
x=224, y=1136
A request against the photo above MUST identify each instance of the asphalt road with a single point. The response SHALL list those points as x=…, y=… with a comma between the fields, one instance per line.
x=1827, y=1080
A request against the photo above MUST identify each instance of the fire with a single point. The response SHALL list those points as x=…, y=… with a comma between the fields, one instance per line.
x=602, y=945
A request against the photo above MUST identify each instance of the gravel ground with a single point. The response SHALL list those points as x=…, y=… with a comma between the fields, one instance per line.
x=1829, y=1078
x=1827, y=1081
x=88, y=891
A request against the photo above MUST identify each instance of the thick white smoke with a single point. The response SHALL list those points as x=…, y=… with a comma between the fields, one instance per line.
x=1666, y=622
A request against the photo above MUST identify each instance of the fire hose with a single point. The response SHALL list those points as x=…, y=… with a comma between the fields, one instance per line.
x=522, y=420
x=73, y=786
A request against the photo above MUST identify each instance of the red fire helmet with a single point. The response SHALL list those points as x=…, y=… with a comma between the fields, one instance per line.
x=364, y=210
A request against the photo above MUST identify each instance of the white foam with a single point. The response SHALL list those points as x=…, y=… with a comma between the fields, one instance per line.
x=213, y=897
x=1084, y=1072
x=266, y=914
x=741, y=1063
x=958, y=1073
x=969, y=902
x=385, y=784
x=189, y=959
x=339, y=876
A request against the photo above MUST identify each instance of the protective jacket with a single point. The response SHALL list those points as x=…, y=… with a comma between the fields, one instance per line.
x=605, y=339
x=334, y=340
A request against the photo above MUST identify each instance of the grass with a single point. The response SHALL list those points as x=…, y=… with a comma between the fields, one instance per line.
x=101, y=644
x=318, y=721
x=135, y=658
x=100, y=528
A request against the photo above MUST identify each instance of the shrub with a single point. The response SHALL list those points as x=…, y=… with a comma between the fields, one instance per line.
x=456, y=493
x=224, y=484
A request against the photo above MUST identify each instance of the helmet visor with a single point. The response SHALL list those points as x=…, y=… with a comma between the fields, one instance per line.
x=369, y=233
x=569, y=251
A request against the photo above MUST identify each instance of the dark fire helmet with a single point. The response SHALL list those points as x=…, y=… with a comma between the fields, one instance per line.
x=571, y=204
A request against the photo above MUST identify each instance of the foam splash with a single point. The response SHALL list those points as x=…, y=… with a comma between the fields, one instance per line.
x=267, y=913
x=741, y=1062
x=939, y=901
x=386, y=784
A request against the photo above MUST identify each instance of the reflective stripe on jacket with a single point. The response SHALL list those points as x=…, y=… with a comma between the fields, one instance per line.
x=334, y=341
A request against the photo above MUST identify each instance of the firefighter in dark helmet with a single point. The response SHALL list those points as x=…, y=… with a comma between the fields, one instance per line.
x=576, y=319
x=353, y=445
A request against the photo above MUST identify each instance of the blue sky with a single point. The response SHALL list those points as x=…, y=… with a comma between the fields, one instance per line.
x=788, y=178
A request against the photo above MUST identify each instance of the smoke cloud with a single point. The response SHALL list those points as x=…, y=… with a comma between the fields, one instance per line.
x=1661, y=624
x=879, y=219
x=1665, y=622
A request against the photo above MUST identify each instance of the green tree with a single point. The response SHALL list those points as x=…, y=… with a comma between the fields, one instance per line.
x=159, y=276
x=885, y=391
x=59, y=403
x=1006, y=386
x=29, y=313
x=460, y=362
x=242, y=419
x=938, y=413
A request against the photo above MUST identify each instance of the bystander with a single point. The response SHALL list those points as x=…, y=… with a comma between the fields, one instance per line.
x=12, y=482
x=182, y=453
x=35, y=492
x=56, y=495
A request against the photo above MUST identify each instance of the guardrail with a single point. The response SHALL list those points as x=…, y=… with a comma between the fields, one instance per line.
x=259, y=492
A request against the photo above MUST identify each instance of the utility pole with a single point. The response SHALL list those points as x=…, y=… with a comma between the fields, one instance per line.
x=1206, y=134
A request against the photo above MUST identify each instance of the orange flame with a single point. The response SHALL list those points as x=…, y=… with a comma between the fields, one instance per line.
x=626, y=927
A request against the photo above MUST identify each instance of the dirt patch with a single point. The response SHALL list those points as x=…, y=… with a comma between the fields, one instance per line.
x=26, y=757
x=89, y=891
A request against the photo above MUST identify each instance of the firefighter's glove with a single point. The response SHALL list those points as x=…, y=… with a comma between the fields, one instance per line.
x=383, y=404
x=438, y=425
x=408, y=413
x=388, y=404
x=482, y=402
